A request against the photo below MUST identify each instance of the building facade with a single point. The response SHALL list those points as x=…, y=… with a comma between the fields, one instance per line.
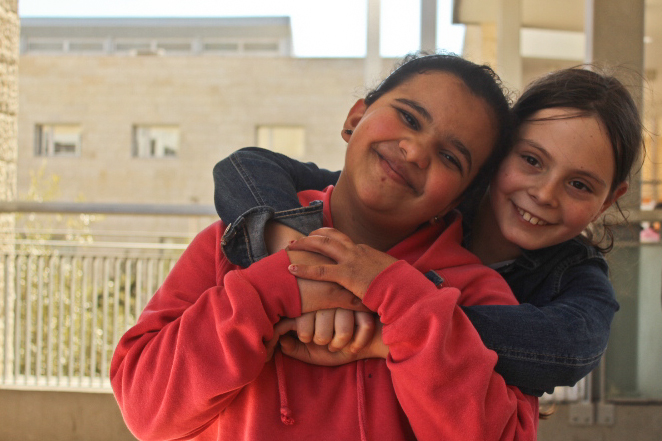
x=139, y=111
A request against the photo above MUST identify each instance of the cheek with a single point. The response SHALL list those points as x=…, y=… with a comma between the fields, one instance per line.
x=579, y=216
x=442, y=190
x=505, y=176
x=502, y=185
x=386, y=125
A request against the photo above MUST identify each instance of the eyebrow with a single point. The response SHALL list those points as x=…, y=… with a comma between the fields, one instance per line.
x=545, y=153
x=459, y=145
x=417, y=107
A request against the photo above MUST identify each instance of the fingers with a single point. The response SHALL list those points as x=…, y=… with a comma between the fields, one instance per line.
x=365, y=324
x=284, y=326
x=292, y=347
x=324, y=321
x=322, y=273
x=338, y=336
x=343, y=329
x=305, y=325
x=314, y=354
x=332, y=327
x=332, y=233
x=329, y=245
x=281, y=328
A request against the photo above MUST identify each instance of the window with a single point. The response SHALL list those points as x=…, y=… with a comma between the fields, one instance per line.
x=57, y=140
x=155, y=141
x=86, y=46
x=174, y=46
x=45, y=45
x=220, y=46
x=287, y=140
x=261, y=47
x=129, y=46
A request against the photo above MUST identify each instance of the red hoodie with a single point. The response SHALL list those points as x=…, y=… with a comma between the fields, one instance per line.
x=195, y=365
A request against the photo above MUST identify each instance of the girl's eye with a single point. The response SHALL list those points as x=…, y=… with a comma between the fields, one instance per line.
x=531, y=160
x=409, y=119
x=451, y=160
x=579, y=185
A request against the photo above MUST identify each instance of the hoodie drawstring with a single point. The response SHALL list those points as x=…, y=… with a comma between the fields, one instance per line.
x=360, y=397
x=285, y=411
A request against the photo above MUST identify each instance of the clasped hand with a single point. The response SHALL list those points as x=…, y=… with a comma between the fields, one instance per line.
x=333, y=274
x=352, y=266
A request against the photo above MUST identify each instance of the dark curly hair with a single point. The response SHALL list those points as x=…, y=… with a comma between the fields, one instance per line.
x=484, y=83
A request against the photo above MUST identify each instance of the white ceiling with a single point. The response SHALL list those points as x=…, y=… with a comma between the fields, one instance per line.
x=565, y=15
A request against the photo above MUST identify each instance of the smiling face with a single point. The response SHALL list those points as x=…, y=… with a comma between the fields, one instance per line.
x=556, y=180
x=414, y=151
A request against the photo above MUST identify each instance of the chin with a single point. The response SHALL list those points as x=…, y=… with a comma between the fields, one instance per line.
x=526, y=243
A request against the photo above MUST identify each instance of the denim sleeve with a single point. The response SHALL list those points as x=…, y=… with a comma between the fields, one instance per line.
x=555, y=344
x=254, y=185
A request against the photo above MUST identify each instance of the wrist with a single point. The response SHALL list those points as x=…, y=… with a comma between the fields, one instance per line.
x=277, y=236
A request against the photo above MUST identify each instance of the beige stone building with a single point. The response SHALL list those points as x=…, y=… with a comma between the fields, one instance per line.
x=139, y=111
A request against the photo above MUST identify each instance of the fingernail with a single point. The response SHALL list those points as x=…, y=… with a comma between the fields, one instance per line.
x=292, y=268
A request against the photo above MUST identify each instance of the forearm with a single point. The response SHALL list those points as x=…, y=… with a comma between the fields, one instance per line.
x=255, y=185
x=178, y=367
x=553, y=344
x=171, y=382
x=254, y=177
x=441, y=370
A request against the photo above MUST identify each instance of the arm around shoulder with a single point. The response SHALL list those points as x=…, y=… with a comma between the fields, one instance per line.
x=551, y=342
x=442, y=372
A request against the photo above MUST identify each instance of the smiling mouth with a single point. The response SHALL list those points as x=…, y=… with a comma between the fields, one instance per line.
x=531, y=218
x=396, y=172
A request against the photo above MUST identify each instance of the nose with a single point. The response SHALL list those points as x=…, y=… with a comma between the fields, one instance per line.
x=416, y=152
x=543, y=191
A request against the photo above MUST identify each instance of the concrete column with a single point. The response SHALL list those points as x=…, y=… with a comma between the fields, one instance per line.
x=614, y=38
x=9, y=44
x=429, y=25
x=509, y=61
x=373, y=64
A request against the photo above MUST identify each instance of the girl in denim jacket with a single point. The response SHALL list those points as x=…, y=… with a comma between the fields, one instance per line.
x=579, y=135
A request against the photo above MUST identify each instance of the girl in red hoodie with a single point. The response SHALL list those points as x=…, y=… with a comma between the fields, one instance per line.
x=198, y=365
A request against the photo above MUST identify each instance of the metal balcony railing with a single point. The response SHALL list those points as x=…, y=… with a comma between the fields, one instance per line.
x=67, y=301
x=65, y=311
x=67, y=296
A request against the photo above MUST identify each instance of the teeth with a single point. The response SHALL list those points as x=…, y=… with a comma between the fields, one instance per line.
x=531, y=219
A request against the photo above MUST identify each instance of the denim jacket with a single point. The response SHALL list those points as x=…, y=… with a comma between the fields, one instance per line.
x=555, y=337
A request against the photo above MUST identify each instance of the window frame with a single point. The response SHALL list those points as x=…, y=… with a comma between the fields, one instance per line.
x=45, y=140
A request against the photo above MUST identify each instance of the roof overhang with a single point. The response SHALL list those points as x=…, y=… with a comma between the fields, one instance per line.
x=562, y=15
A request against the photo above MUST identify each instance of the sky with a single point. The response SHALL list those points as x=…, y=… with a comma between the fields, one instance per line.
x=320, y=28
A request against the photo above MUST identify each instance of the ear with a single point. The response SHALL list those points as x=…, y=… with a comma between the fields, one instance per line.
x=616, y=194
x=353, y=117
